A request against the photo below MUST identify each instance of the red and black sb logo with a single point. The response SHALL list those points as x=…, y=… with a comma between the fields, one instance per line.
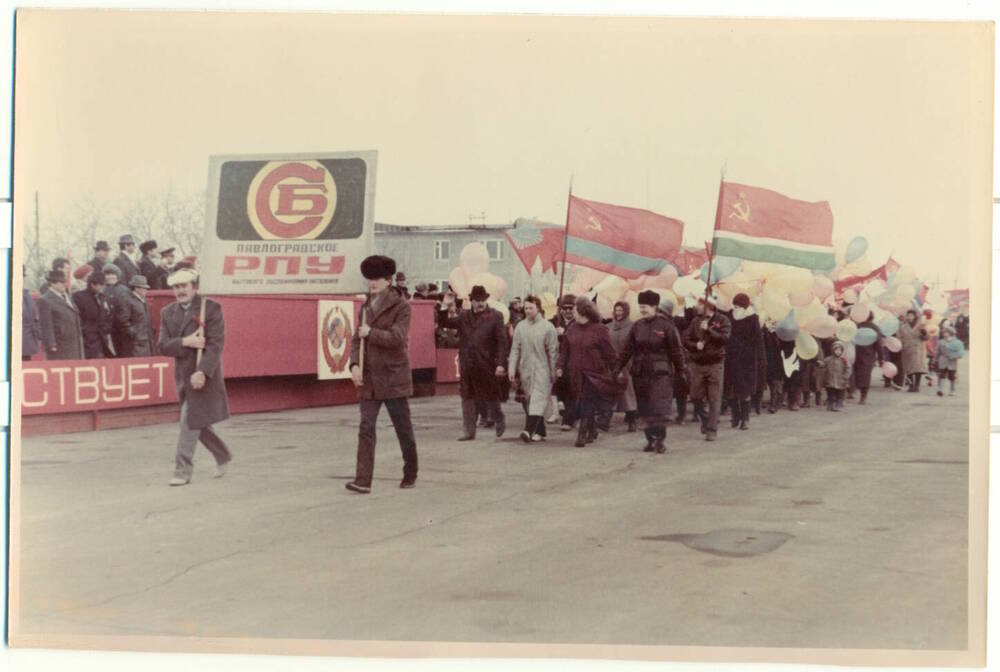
x=308, y=199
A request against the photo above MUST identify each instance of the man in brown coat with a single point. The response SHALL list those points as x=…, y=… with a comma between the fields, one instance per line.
x=384, y=336
x=59, y=318
x=200, y=385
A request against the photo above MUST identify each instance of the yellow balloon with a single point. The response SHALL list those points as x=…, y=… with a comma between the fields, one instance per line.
x=846, y=330
x=806, y=346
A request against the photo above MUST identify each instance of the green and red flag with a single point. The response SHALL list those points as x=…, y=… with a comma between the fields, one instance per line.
x=763, y=225
x=622, y=241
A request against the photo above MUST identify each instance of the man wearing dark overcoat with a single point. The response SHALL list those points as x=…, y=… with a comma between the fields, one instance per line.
x=125, y=261
x=95, y=317
x=383, y=336
x=200, y=385
x=62, y=335
x=31, y=330
x=482, y=359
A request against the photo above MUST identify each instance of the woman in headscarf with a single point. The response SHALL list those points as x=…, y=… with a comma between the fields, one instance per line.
x=654, y=355
x=620, y=328
x=742, y=360
x=588, y=359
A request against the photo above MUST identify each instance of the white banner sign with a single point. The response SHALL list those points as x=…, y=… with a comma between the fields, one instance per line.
x=288, y=224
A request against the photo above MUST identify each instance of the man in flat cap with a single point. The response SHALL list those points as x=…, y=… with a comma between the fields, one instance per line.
x=101, y=253
x=482, y=358
x=149, y=263
x=135, y=321
x=200, y=386
x=62, y=334
x=383, y=335
x=125, y=260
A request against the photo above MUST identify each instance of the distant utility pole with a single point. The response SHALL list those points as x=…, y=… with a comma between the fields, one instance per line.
x=35, y=252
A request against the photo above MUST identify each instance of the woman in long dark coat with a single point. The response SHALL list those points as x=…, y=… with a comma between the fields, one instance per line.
x=588, y=359
x=742, y=360
x=654, y=349
x=865, y=357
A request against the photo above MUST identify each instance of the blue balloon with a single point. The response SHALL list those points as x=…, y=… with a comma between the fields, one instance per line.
x=865, y=336
x=722, y=267
x=954, y=348
x=787, y=329
x=889, y=325
x=856, y=249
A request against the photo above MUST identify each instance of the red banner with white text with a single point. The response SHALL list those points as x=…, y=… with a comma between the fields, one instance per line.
x=96, y=384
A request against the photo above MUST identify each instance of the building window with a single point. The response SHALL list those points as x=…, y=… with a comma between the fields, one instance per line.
x=495, y=248
x=442, y=250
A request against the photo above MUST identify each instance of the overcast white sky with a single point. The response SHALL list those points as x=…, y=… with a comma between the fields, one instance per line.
x=884, y=120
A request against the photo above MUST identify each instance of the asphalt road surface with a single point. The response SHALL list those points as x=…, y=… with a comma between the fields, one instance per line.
x=812, y=529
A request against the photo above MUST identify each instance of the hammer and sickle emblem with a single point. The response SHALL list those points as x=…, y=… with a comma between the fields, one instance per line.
x=742, y=209
x=592, y=223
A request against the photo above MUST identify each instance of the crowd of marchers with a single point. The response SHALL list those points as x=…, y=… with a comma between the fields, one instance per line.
x=663, y=366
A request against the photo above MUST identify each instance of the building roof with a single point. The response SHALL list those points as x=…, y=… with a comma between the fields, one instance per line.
x=463, y=228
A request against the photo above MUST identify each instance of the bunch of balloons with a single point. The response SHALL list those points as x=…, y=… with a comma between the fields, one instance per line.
x=473, y=269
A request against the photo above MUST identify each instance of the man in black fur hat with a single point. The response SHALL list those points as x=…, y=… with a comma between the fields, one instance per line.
x=383, y=335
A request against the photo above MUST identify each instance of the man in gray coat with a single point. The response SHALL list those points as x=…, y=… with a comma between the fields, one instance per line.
x=135, y=322
x=62, y=333
x=200, y=385
x=383, y=336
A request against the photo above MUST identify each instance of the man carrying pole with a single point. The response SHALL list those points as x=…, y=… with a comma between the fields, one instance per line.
x=380, y=369
x=193, y=332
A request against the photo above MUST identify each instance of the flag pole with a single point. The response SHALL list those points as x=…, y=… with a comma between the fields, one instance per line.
x=562, y=274
x=718, y=216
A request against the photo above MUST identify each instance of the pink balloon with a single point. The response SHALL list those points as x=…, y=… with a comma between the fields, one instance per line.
x=822, y=287
x=474, y=258
x=458, y=281
x=801, y=299
x=664, y=280
x=893, y=344
x=889, y=370
x=824, y=326
x=859, y=313
x=501, y=288
x=638, y=284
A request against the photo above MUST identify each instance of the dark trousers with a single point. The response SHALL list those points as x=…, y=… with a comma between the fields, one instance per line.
x=533, y=424
x=706, y=390
x=399, y=413
x=472, y=409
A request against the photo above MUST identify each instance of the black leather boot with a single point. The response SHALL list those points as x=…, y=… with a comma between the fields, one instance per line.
x=734, y=413
x=744, y=414
x=650, y=441
x=630, y=418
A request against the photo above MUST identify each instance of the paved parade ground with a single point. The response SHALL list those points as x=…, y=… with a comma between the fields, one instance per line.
x=813, y=529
